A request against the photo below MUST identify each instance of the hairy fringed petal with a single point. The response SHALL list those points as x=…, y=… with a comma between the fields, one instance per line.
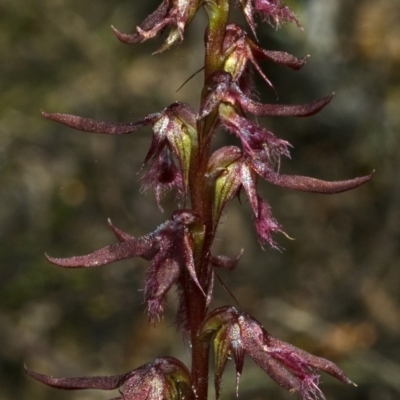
x=159, y=279
x=165, y=378
x=271, y=11
x=236, y=333
x=174, y=13
x=163, y=176
x=257, y=142
x=266, y=225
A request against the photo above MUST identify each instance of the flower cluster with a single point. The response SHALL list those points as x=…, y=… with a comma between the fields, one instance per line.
x=179, y=250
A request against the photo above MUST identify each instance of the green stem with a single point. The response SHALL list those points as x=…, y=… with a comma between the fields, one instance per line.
x=201, y=200
x=218, y=13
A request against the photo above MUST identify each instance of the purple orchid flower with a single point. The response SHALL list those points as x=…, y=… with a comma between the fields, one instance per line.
x=174, y=13
x=237, y=333
x=165, y=378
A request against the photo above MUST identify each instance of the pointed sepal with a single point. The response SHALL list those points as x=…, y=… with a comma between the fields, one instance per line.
x=165, y=378
x=221, y=88
x=95, y=126
x=307, y=184
x=173, y=13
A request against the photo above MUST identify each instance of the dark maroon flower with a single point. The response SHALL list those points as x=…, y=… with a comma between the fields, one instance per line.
x=228, y=174
x=222, y=89
x=271, y=11
x=230, y=171
x=163, y=176
x=258, y=143
x=165, y=378
x=239, y=51
x=169, y=249
x=174, y=13
x=174, y=135
x=237, y=333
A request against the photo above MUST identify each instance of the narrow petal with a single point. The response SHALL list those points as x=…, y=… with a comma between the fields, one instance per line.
x=313, y=361
x=125, y=237
x=307, y=184
x=120, y=235
x=159, y=279
x=149, y=23
x=278, y=57
x=253, y=336
x=189, y=261
x=281, y=375
x=282, y=110
x=108, y=254
x=94, y=382
x=210, y=288
x=128, y=38
x=249, y=183
x=94, y=126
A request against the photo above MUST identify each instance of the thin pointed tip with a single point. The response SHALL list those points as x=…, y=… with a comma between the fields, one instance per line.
x=50, y=259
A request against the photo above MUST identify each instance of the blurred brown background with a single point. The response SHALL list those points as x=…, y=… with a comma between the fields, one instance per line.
x=335, y=289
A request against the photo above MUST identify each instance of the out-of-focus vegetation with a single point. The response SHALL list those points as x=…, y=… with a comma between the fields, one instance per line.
x=335, y=289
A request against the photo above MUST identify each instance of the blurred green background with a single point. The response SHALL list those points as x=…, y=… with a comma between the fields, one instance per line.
x=334, y=291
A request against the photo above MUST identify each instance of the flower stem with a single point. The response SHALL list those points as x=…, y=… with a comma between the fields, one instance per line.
x=201, y=199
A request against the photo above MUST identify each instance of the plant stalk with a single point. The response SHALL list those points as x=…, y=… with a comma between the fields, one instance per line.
x=201, y=200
